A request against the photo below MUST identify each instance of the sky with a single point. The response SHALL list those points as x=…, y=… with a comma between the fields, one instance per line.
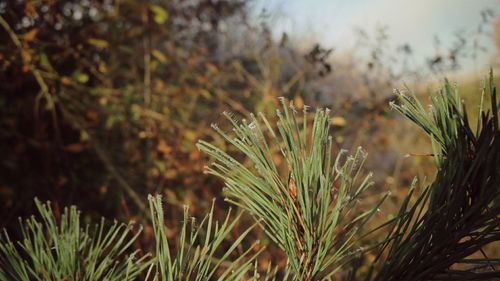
x=417, y=22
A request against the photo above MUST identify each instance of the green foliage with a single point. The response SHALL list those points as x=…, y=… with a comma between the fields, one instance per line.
x=307, y=205
x=458, y=214
x=305, y=209
x=197, y=257
x=53, y=249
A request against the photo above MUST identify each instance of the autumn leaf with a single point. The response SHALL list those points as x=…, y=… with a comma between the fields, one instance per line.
x=81, y=77
x=159, y=56
x=212, y=68
x=170, y=174
x=30, y=36
x=74, y=148
x=26, y=55
x=205, y=93
x=298, y=101
x=99, y=43
x=190, y=135
x=30, y=10
x=163, y=147
x=65, y=80
x=338, y=121
x=160, y=14
x=92, y=116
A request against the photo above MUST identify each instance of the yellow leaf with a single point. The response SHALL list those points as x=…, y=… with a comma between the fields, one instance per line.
x=205, y=93
x=99, y=43
x=171, y=196
x=159, y=56
x=160, y=14
x=190, y=135
x=338, y=121
x=84, y=136
x=298, y=101
x=103, y=68
x=81, y=77
x=143, y=135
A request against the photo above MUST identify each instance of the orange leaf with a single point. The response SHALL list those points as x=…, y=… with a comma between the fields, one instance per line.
x=92, y=115
x=338, y=121
x=163, y=147
x=65, y=80
x=74, y=148
x=170, y=174
x=29, y=10
x=298, y=101
x=212, y=68
x=194, y=155
x=30, y=35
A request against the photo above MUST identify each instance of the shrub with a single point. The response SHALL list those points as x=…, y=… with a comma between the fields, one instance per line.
x=307, y=203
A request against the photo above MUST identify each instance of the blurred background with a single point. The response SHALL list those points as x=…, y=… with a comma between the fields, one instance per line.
x=102, y=102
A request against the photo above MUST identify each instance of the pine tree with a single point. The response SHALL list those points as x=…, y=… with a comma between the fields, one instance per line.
x=308, y=206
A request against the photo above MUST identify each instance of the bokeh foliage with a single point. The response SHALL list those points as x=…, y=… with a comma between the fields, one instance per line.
x=103, y=101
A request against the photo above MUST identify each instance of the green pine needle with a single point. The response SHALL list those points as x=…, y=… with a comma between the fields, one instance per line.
x=304, y=208
x=197, y=258
x=62, y=250
x=458, y=214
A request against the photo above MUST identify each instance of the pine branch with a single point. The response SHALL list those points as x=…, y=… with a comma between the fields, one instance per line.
x=199, y=258
x=62, y=250
x=458, y=214
x=303, y=210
